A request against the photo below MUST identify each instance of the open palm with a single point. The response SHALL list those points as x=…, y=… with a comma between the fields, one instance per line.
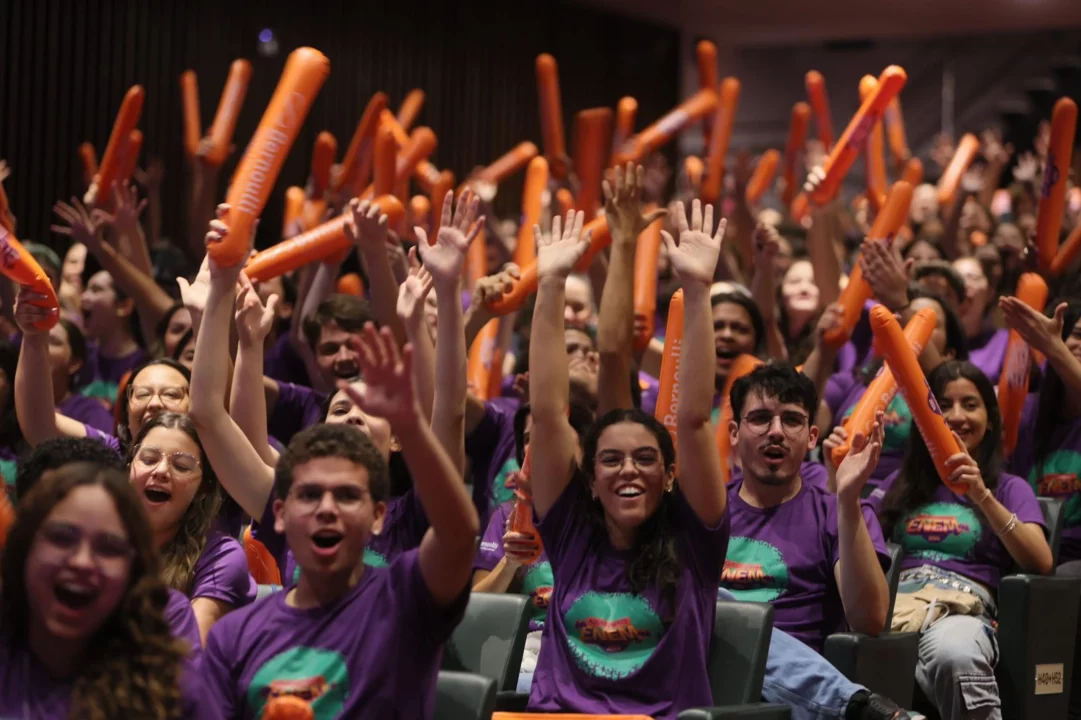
x=366, y=225
x=445, y=258
x=412, y=293
x=862, y=458
x=387, y=391
x=253, y=319
x=81, y=226
x=559, y=251
x=695, y=255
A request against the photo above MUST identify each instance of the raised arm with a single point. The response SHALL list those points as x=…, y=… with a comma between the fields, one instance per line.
x=1045, y=335
x=554, y=443
x=412, y=295
x=764, y=288
x=694, y=258
x=444, y=260
x=822, y=253
x=247, y=400
x=241, y=470
x=371, y=239
x=615, y=327
x=446, y=552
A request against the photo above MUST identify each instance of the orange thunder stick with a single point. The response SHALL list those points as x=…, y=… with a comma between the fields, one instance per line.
x=526, y=285
x=645, y=283
x=508, y=163
x=350, y=284
x=797, y=137
x=706, y=54
x=880, y=392
x=20, y=266
x=361, y=146
x=305, y=72
x=315, y=244
x=386, y=150
x=694, y=108
x=895, y=132
x=130, y=109
x=820, y=103
x=7, y=518
x=444, y=183
x=410, y=108
x=521, y=519
x=294, y=205
x=592, y=138
x=536, y=180
x=89, y=159
x=1055, y=179
x=668, y=389
x=420, y=210
x=326, y=147
x=288, y=707
x=129, y=157
x=1066, y=254
x=917, y=393
x=853, y=139
x=232, y=98
x=874, y=159
x=481, y=355
x=742, y=365
x=694, y=169
x=626, y=111
x=261, y=564
x=5, y=211
x=189, y=100
x=421, y=145
x=858, y=292
x=762, y=178
x=476, y=259
x=719, y=137
x=564, y=201
x=1013, y=382
x=551, y=115
x=951, y=177
x=913, y=172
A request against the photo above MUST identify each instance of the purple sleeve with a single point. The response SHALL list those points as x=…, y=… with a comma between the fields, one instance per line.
x=490, y=551
x=481, y=444
x=415, y=602
x=406, y=520
x=89, y=411
x=1023, y=457
x=109, y=441
x=297, y=407
x=702, y=547
x=216, y=671
x=1017, y=496
x=221, y=573
x=837, y=389
x=650, y=387
x=564, y=526
x=181, y=619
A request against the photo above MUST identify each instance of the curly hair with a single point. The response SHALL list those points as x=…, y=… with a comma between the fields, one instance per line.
x=133, y=662
x=179, y=555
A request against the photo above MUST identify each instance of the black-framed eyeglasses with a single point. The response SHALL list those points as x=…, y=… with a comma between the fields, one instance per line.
x=759, y=422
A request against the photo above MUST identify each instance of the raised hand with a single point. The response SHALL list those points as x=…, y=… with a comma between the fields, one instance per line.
x=125, y=218
x=1035, y=328
x=992, y=147
x=885, y=273
x=767, y=244
x=835, y=440
x=1027, y=168
x=366, y=225
x=27, y=315
x=830, y=320
x=942, y=150
x=559, y=251
x=412, y=294
x=492, y=288
x=387, y=391
x=694, y=256
x=253, y=320
x=862, y=458
x=81, y=226
x=622, y=204
x=445, y=258
x=219, y=231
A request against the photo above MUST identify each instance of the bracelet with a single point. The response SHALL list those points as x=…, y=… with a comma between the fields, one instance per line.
x=986, y=494
x=1010, y=526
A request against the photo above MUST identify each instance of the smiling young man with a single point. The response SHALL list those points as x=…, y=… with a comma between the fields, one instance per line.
x=818, y=558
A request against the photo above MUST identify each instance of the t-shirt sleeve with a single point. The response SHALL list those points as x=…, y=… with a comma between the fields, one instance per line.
x=416, y=607
x=406, y=519
x=221, y=573
x=109, y=441
x=837, y=389
x=1017, y=496
x=481, y=444
x=565, y=525
x=703, y=547
x=490, y=551
x=219, y=678
x=181, y=619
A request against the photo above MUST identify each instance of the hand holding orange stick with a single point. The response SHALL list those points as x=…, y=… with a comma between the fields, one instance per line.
x=1013, y=382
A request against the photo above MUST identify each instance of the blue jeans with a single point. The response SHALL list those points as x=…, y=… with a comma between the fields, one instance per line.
x=799, y=677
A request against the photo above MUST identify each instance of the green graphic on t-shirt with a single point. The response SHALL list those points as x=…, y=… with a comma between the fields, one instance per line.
x=940, y=531
x=371, y=559
x=897, y=424
x=754, y=570
x=1060, y=477
x=537, y=584
x=612, y=635
x=501, y=493
x=316, y=675
x=101, y=389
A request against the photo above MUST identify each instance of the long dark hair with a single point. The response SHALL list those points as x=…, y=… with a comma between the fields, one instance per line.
x=123, y=428
x=918, y=479
x=179, y=555
x=133, y=664
x=655, y=558
x=77, y=343
x=1052, y=392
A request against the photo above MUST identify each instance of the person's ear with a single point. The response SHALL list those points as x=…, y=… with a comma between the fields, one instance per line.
x=379, y=513
x=395, y=446
x=812, y=438
x=279, y=516
x=125, y=307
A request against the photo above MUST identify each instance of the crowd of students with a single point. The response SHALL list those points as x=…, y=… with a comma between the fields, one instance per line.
x=162, y=435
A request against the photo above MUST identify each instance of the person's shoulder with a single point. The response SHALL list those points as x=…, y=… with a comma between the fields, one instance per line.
x=233, y=625
x=1010, y=483
x=221, y=549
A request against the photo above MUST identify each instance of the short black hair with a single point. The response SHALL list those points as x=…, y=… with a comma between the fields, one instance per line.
x=775, y=380
x=348, y=312
x=941, y=269
x=57, y=452
x=753, y=311
x=333, y=441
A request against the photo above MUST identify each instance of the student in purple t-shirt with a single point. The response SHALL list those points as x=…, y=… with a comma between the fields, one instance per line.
x=357, y=641
x=83, y=631
x=108, y=321
x=986, y=343
x=67, y=356
x=817, y=557
x=635, y=556
x=962, y=542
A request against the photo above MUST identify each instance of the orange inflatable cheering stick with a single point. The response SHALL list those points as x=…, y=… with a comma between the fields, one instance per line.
x=1013, y=382
x=719, y=138
x=742, y=365
x=1055, y=180
x=645, y=283
x=951, y=177
x=508, y=163
x=536, y=181
x=874, y=160
x=706, y=54
x=129, y=158
x=879, y=394
x=797, y=137
x=326, y=147
x=261, y=564
x=858, y=292
x=895, y=133
x=294, y=206
x=410, y=108
x=913, y=385
x=1066, y=254
x=764, y=172
x=694, y=108
x=521, y=519
x=350, y=179
x=592, y=137
x=668, y=390
x=232, y=99
x=305, y=72
x=551, y=115
x=193, y=123
x=89, y=159
x=101, y=187
x=913, y=172
x=626, y=111
x=20, y=266
x=481, y=358
x=422, y=142
x=820, y=103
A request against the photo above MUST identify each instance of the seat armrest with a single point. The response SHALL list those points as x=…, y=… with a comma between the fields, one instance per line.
x=510, y=701
x=750, y=711
x=885, y=664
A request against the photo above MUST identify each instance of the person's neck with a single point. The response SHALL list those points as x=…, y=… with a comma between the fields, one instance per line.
x=762, y=495
x=317, y=590
x=619, y=539
x=58, y=656
x=117, y=343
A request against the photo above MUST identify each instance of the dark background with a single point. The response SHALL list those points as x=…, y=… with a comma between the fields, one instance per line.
x=67, y=64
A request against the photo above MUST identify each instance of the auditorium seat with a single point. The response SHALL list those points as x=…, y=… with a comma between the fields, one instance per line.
x=463, y=696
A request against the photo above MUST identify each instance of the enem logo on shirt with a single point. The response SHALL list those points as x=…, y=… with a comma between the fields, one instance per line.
x=317, y=676
x=940, y=531
x=754, y=570
x=612, y=635
x=1059, y=478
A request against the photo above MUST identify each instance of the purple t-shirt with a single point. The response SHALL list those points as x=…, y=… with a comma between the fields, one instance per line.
x=812, y=473
x=89, y=411
x=785, y=555
x=298, y=407
x=1059, y=475
x=221, y=572
x=282, y=363
x=110, y=441
x=534, y=580
x=103, y=374
x=650, y=387
x=490, y=449
x=373, y=654
x=988, y=350
x=608, y=650
x=843, y=391
x=949, y=532
x=181, y=619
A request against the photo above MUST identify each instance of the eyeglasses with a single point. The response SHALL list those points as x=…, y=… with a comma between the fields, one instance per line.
x=109, y=550
x=171, y=397
x=642, y=458
x=309, y=497
x=759, y=422
x=181, y=464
